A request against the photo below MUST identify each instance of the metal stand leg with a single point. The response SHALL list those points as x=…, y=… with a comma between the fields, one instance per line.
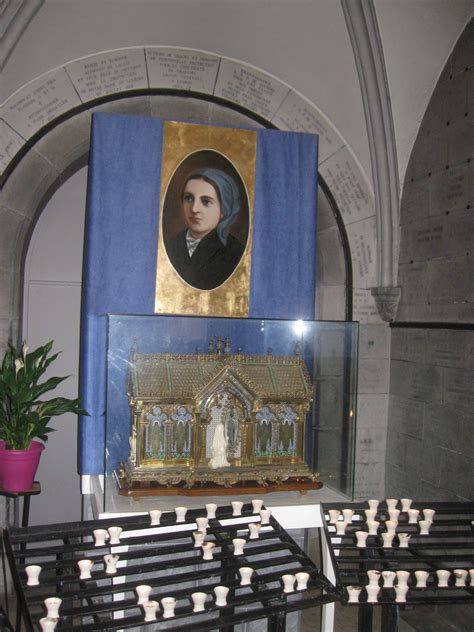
x=277, y=623
x=389, y=617
x=365, y=617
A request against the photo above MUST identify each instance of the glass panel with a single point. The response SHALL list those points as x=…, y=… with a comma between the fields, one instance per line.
x=163, y=431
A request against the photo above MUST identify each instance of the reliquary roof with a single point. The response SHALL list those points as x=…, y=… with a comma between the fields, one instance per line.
x=173, y=377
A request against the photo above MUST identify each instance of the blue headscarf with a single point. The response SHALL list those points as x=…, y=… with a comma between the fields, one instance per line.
x=229, y=198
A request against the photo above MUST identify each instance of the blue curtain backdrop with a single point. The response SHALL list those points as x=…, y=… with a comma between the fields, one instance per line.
x=121, y=240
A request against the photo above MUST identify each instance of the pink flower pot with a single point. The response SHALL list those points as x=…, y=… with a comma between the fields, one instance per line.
x=18, y=467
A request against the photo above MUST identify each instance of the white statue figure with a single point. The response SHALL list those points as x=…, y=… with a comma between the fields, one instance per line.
x=219, y=448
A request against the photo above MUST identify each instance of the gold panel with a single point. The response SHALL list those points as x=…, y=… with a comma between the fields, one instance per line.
x=173, y=295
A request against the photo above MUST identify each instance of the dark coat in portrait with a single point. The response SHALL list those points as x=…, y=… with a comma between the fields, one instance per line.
x=212, y=262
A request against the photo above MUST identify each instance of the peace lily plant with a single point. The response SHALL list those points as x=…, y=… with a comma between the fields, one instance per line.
x=23, y=414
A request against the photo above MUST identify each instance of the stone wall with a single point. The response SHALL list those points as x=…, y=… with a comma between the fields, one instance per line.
x=430, y=452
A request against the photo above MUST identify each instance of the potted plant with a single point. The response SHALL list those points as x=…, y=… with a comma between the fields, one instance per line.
x=24, y=415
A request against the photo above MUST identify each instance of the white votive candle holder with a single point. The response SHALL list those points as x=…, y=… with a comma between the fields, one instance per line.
x=245, y=575
x=401, y=593
x=100, y=536
x=347, y=515
x=406, y=503
x=288, y=583
x=114, y=533
x=391, y=503
x=354, y=593
x=254, y=530
x=429, y=514
x=302, y=579
x=48, y=624
x=334, y=515
x=421, y=578
x=460, y=575
x=111, y=563
x=168, y=604
x=155, y=517
x=237, y=507
x=208, y=550
x=387, y=540
x=239, y=544
x=33, y=572
x=221, y=593
x=85, y=567
x=265, y=516
x=341, y=527
x=413, y=516
x=373, y=526
x=199, y=599
x=443, y=577
x=180, y=513
x=52, y=607
x=388, y=578
x=361, y=537
x=150, y=608
x=257, y=504
x=373, y=505
x=143, y=593
x=211, y=509
x=202, y=523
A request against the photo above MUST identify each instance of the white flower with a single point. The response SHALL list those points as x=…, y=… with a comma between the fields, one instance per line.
x=24, y=351
x=18, y=365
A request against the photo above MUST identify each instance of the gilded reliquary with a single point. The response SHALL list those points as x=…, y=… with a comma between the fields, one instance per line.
x=216, y=418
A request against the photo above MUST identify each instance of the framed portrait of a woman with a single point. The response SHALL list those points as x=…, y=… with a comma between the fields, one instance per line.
x=205, y=229
x=205, y=220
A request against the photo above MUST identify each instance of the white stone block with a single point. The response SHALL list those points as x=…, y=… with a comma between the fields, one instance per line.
x=181, y=69
x=249, y=88
x=10, y=144
x=348, y=185
x=297, y=114
x=362, y=238
x=108, y=73
x=39, y=102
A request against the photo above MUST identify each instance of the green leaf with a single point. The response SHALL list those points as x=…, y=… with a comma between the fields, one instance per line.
x=23, y=414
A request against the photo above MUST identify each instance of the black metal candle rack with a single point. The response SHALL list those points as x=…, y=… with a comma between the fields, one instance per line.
x=165, y=558
x=448, y=546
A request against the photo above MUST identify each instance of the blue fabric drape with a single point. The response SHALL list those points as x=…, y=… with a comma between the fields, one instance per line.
x=122, y=237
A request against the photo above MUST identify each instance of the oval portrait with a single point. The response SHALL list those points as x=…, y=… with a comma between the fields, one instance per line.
x=205, y=220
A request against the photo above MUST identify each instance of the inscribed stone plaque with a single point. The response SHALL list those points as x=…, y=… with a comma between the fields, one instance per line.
x=364, y=309
x=10, y=144
x=423, y=240
x=104, y=74
x=362, y=238
x=449, y=190
x=181, y=69
x=39, y=102
x=298, y=115
x=249, y=88
x=348, y=186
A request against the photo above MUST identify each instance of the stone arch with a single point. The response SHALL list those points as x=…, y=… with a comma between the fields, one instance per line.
x=44, y=138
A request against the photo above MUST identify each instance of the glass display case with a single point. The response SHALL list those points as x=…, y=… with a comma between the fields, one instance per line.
x=192, y=400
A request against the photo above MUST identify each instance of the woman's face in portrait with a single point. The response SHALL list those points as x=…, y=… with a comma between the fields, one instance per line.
x=201, y=207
